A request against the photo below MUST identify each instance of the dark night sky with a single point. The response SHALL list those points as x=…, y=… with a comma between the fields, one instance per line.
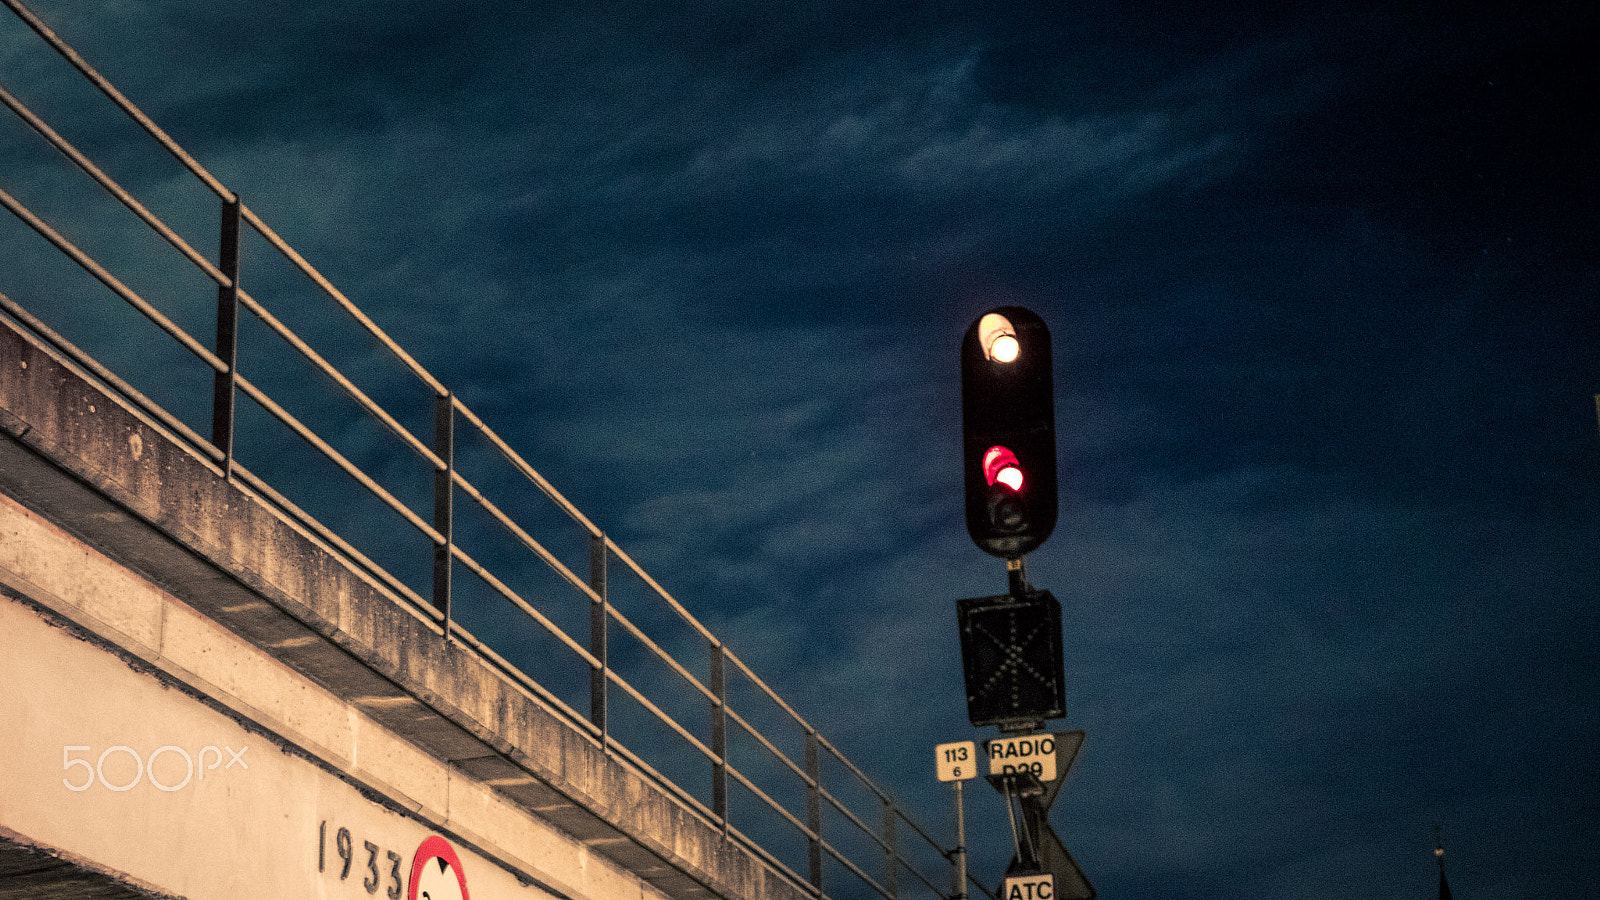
x=1322, y=289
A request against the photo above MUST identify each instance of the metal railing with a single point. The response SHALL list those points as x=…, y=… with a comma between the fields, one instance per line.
x=884, y=831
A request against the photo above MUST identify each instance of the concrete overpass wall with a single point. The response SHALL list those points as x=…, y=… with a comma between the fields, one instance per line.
x=202, y=700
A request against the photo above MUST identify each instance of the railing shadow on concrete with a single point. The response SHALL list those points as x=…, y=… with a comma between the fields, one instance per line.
x=571, y=617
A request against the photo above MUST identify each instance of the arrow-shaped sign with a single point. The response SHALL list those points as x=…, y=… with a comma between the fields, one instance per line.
x=1041, y=849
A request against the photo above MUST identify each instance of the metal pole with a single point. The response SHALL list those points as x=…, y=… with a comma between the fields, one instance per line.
x=444, y=444
x=598, y=616
x=719, y=737
x=814, y=807
x=222, y=391
x=1017, y=577
x=961, y=845
x=1011, y=816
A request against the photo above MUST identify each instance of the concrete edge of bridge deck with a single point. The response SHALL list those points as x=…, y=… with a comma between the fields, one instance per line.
x=105, y=472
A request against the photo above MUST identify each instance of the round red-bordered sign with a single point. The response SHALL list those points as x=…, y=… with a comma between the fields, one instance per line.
x=436, y=872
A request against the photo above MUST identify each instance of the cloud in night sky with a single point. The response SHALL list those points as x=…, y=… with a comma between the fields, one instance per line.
x=1322, y=291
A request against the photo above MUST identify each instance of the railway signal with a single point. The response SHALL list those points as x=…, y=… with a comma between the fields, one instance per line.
x=1008, y=432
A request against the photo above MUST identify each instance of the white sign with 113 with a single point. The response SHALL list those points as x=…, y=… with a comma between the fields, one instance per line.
x=957, y=761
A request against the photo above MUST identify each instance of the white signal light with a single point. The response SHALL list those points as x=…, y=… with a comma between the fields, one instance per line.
x=998, y=338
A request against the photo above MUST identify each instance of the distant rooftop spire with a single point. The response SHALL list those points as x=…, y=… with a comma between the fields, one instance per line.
x=1438, y=852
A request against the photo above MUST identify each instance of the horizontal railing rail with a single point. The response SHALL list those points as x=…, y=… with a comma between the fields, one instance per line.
x=710, y=740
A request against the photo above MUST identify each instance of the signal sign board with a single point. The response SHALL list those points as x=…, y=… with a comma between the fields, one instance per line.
x=1035, y=753
x=1028, y=887
x=1011, y=659
x=1043, y=852
x=957, y=761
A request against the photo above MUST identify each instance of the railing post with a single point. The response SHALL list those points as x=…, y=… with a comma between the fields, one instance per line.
x=598, y=614
x=222, y=383
x=719, y=735
x=814, y=807
x=444, y=444
x=892, y=863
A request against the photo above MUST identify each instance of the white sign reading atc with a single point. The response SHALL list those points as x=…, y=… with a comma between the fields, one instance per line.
x=1028, y=887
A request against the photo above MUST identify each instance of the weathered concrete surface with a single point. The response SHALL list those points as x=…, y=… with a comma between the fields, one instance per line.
x=28, y=873
x=89, y=464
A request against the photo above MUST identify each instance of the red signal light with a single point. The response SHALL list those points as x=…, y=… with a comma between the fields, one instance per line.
x=1011, y=477
x=1000, y=466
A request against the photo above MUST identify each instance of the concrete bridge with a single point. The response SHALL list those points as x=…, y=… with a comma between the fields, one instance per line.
x=203, y=701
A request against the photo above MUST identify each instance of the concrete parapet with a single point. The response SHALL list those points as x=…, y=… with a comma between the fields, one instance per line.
x=219, y=589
